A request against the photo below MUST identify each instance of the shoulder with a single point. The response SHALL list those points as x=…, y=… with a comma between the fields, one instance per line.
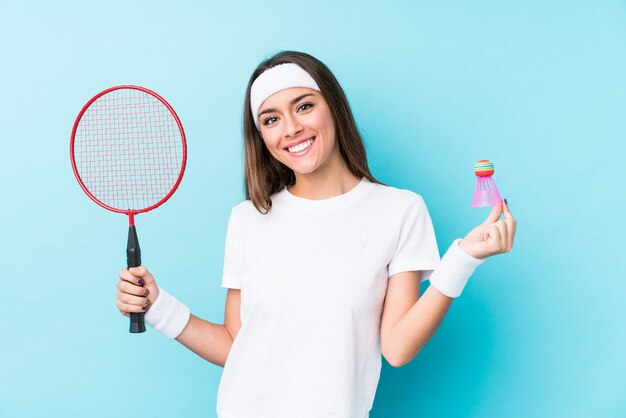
x=245, y=211
x=397, y=197
x=243, y=208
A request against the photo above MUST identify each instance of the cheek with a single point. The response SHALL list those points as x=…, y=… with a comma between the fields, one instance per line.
x=326, y=124
x=269, y=140
x=271, y=143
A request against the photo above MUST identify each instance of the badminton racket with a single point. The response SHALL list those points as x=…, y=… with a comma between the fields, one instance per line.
x=128, y=153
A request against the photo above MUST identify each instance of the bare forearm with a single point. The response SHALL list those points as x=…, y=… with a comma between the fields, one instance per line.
x=415, y=328
x=210, y=341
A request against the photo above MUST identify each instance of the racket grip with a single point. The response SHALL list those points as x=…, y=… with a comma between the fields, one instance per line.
x=137, y=324
x=133, y=259
x=133, y=252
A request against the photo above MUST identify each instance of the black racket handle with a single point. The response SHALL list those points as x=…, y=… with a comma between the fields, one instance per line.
x=133, y=259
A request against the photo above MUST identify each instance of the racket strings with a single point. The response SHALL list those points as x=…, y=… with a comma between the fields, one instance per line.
x=128, y=149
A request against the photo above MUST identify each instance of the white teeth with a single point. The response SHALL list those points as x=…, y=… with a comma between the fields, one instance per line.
x=300, y=147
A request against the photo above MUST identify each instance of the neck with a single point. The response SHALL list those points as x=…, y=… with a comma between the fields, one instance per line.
x=324, y=183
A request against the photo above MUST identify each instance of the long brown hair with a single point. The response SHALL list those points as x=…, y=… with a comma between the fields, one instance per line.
x=264, y=175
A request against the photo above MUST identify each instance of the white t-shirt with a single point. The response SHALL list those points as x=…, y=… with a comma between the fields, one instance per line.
x=313, y=276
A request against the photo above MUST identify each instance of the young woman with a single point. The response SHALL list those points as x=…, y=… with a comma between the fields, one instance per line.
x=322, y=261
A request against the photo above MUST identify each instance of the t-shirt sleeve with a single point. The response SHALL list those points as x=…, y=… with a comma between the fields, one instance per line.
x=417, y=246
x=234, y=265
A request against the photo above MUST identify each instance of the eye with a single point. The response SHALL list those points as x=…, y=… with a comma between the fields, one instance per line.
x=270, y=120
x=305, y=106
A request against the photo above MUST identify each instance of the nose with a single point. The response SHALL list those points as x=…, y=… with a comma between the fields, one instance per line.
x=292, y=125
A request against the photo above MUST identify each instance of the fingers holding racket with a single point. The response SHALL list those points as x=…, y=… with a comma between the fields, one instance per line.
x=136, y=291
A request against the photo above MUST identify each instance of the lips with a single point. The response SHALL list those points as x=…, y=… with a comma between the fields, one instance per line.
x=298, y=143
x=302, y=153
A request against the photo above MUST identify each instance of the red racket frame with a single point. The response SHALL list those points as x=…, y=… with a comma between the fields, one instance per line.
x=131, y=213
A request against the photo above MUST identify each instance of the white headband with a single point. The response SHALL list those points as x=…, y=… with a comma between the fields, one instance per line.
x=275, y=79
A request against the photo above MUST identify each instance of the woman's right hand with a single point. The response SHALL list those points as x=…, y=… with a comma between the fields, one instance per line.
x=136, y=290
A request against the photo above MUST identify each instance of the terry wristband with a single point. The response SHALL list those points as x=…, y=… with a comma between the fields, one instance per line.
x=167, y=315
x=454, y=271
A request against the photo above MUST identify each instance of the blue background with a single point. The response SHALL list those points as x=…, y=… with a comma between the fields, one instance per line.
x=537, y=88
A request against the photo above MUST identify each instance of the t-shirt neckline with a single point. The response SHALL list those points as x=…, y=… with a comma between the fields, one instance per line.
x=340, y=200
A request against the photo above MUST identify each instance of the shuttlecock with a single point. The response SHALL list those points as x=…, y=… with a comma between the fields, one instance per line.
x=486, y=192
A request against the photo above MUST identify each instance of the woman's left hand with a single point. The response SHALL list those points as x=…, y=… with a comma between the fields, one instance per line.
x=492, y=236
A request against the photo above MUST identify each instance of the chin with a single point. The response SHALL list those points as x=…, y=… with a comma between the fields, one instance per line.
x=304, y=172
x=303, y=168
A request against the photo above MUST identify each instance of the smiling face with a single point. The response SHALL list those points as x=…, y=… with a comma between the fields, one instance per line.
x=298, y=129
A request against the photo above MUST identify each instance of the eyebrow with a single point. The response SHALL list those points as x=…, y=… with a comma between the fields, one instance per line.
x=294, y=101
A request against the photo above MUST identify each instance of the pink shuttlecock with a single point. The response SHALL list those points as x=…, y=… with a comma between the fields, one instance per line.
x=486, y=192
